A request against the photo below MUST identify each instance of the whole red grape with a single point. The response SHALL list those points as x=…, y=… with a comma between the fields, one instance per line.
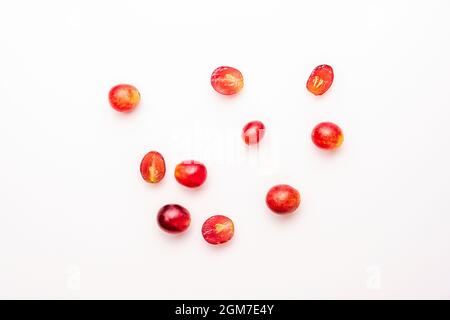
x=327, y=135
x=253, y=132
x=190, y=173
x=173, y=218
x=283, y=199
x=124, y=97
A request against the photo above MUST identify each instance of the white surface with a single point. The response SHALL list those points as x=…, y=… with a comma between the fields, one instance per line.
x=77, y=220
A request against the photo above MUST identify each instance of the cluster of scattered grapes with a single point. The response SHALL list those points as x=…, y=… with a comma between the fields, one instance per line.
x=281, y=199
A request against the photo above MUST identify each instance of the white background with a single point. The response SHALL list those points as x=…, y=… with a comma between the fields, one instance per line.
x=78, y=221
